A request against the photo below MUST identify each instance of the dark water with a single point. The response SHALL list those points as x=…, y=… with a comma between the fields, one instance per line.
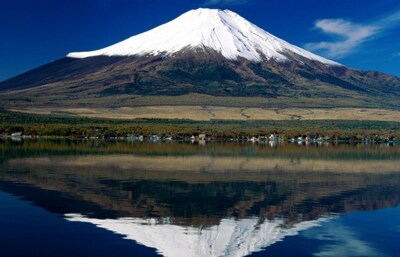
x=95, y=198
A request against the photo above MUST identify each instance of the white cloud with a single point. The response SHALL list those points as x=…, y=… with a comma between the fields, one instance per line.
x=349, y=35
x=390, y=20
x=224, y=2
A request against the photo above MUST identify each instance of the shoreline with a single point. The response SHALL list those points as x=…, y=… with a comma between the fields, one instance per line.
x=15, y=124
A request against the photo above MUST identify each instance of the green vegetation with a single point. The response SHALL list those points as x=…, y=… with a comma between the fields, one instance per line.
x=62, y=126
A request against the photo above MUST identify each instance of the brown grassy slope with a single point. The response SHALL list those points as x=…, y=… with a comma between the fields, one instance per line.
x=223, y=113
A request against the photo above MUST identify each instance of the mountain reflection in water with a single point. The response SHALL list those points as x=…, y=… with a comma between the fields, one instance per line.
x=231, y=237
x=191, y=200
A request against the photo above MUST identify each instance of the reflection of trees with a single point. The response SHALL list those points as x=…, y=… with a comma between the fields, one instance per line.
x=267, y=194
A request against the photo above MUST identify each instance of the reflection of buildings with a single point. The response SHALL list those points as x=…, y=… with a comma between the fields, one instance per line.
x=228, y=238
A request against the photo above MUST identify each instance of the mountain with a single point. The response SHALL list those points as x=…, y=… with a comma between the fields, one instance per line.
x=223, y=32
x=197, y=58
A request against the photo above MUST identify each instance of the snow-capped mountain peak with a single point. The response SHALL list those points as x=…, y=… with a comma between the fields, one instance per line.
x=220, y=30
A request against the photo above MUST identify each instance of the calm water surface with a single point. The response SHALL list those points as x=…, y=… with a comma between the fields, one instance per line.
x=97, y=198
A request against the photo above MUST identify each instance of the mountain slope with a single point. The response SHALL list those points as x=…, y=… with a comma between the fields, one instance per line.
x=207, y=52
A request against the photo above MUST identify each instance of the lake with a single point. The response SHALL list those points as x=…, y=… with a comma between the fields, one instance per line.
x=116, y=198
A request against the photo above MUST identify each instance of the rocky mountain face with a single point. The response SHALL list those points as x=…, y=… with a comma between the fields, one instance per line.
x=211, y=52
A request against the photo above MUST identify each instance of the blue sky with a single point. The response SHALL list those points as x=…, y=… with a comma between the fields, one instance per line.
x=363, y=34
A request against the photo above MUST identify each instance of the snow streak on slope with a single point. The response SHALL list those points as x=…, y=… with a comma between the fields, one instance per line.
x=230, y=238
x=223, y=31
